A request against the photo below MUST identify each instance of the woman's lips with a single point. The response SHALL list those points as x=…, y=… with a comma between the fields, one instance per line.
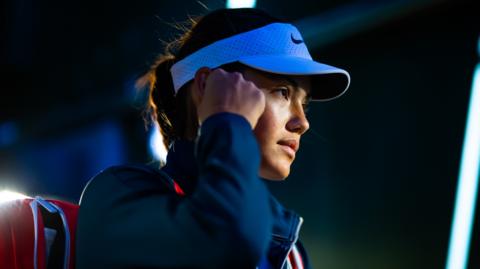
x=290, y=146
x=288, y=150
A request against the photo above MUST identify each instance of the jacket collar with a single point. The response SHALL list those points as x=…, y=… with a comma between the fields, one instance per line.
x=182, y=165
x=287, y=223
x=285, y=232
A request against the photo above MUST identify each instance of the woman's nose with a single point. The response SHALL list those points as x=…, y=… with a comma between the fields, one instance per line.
x=298, y=123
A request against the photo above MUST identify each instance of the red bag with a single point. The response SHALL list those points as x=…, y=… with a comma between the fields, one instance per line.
x=37, y=234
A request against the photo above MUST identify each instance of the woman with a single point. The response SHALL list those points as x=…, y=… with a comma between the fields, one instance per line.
x=230, y=102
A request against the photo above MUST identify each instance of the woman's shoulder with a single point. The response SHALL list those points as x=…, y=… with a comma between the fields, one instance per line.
x=129, y=178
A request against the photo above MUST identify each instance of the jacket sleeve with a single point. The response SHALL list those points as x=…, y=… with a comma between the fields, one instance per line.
x=126, y=222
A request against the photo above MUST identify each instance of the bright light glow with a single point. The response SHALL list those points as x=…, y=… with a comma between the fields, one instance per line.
x=241, y=3
x=157, y=148
x=467, y=185
x=7, y=195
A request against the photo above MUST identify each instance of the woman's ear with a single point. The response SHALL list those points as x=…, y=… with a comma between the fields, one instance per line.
x=199, y=83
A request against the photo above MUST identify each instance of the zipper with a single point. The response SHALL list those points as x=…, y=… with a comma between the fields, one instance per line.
x=297, y=233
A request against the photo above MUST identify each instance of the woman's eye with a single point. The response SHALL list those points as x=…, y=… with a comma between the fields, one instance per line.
x=284, y=92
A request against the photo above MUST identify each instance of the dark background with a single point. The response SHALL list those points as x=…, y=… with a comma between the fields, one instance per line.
x=376, y=177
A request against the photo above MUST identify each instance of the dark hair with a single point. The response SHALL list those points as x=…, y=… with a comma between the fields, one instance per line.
x=176, y=114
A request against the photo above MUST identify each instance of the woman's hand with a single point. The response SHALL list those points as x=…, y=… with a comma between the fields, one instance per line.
x=220, y=91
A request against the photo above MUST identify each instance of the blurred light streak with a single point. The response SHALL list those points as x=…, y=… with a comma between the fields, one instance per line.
x=6, y=195
x=157, y=148
x=354, y=17
x=241, y=3
x=467, y=185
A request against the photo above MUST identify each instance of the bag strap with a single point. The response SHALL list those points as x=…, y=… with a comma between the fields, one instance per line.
x=54, y=236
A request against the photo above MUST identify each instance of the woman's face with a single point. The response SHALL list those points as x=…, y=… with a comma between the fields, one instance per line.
x=283, y=122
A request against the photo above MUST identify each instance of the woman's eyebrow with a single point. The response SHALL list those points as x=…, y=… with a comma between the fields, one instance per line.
x=289, y=79
x=276, y=77
x=306, y=98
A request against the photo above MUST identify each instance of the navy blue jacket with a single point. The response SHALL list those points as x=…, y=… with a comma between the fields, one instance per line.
x=131, y=216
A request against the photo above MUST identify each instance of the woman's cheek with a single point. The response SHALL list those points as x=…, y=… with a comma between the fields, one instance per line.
x=269, y=130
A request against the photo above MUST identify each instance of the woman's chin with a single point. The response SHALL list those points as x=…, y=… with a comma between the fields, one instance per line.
x=275, y=174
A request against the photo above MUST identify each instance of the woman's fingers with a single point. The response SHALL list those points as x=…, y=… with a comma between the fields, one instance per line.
x=230, y=92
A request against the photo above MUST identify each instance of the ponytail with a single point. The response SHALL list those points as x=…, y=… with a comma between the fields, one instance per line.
x=175, y=114
x=162, y=99
x=160, y=107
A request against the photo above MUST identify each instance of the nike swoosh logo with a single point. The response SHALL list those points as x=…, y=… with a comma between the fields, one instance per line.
x=296, y=41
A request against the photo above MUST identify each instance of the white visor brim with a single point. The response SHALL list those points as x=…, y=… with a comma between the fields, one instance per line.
x=276, y=48
x=328, y=82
